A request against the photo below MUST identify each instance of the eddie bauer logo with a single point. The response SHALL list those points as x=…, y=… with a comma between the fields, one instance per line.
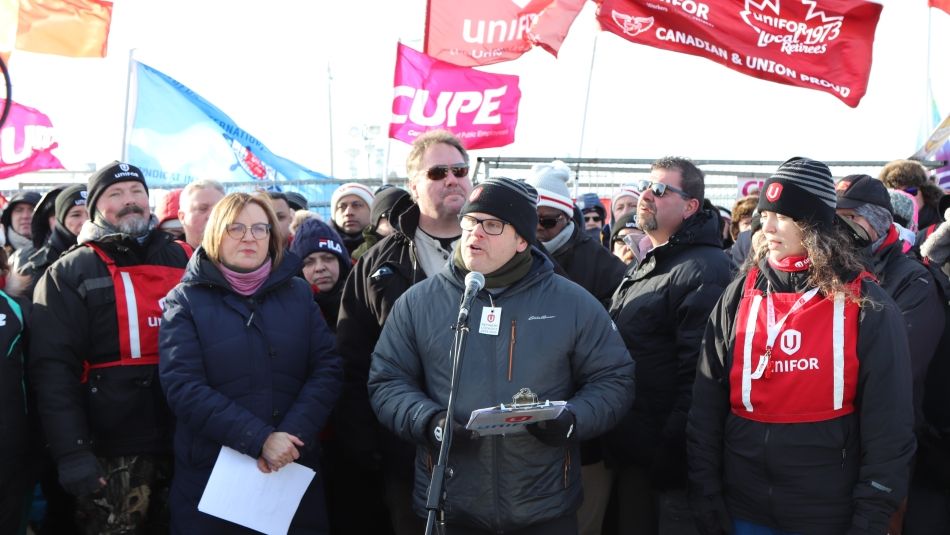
x=808, y=36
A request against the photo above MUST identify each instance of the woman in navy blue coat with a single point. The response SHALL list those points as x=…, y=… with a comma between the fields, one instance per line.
x=247, y=362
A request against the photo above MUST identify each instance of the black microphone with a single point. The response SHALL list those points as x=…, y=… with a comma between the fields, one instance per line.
x=474, y=282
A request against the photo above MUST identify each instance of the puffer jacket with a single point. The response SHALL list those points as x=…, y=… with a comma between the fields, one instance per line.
x=555, y=339
x=120, y=410
x=236, y=369
x=841, y=475
x=661, y=308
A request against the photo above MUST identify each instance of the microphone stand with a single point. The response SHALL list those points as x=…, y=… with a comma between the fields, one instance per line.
x=435, y=498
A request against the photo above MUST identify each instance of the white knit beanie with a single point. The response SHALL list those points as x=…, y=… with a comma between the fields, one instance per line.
x=351, y=188
x=550, y=179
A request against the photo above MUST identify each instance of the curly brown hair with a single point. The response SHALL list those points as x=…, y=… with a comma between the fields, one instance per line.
x=833, y=257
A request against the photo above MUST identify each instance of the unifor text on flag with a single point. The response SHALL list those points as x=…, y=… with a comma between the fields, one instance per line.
x=482, y=32
x=480, y=108
x=816, y=44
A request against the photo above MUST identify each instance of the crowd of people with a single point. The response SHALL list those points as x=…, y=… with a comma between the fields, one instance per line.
x=776, y=367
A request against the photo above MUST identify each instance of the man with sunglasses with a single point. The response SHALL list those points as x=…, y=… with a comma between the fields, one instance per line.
x=578, y=252
x=661, y=308
x=911, y=177
x=419, y=247
x=528, y=329
x=94, y=358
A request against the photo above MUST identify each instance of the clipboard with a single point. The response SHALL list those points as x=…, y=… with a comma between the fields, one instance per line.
x=512, y=418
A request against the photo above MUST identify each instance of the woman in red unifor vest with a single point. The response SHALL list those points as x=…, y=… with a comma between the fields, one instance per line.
x=801, y=420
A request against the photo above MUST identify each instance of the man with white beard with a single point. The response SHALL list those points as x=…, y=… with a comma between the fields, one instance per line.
x=94, y=358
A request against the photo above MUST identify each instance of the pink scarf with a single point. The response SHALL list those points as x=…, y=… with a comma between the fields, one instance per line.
x=249, y=282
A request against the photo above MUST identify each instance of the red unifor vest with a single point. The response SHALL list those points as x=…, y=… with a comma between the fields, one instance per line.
x=810, y=373
x=139, y=298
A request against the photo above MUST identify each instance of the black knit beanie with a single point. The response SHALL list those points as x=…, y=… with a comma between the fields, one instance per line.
x=74, y=195
x=514, y=202
x=111, y=174
x=802, y=189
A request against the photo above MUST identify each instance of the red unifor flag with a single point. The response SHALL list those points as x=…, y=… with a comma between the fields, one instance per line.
x=816, y=44
x=482, y=32
x=940, y=4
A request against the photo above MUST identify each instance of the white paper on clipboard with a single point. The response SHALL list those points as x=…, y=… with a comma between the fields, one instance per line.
x=509, y=419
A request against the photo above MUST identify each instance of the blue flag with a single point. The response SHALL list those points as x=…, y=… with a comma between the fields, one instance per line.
x=177, y=136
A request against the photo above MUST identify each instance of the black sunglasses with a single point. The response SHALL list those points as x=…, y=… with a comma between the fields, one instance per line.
x=549, y=222
x=659, y=189
x=594, y=218
x=439, y=172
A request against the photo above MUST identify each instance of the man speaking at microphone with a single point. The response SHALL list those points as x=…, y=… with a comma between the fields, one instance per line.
x=528, y=328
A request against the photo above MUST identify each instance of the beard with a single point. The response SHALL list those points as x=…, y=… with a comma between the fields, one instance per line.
x=647, y=222
x=133, y=226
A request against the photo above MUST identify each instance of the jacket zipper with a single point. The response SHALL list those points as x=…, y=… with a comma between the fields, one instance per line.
x=567, y=466
x=511, y=350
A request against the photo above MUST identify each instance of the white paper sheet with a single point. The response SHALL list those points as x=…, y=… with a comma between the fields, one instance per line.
x=239, y=492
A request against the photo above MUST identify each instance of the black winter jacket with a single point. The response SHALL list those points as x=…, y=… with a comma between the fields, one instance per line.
x=555, y=339
x=846, y=474
x=121, y=410
x=14, y=424
x=915, y=292
x=60, y=240
x=590, y=264
x=379, y=277
x=661, y=309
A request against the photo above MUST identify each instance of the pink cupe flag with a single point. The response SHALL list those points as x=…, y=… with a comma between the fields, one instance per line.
x=480, y=108
x=26, y=142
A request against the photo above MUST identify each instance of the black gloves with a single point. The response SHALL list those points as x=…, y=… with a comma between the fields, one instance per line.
x=711, y=515
x=557, y=432
x=436, y=429
x=80, y=473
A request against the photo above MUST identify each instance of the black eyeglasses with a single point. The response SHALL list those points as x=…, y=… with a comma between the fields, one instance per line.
x=439, y=172
x=259, y=231
x=492, y=227
x=659, y=189
x=594, y=218
x=549, y=222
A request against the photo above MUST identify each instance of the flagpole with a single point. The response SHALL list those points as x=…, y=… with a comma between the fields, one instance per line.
x=929, y=82
x=128, y=92
x=330, y=115
x=580, y=146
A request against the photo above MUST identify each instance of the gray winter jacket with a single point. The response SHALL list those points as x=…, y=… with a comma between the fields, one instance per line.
x=555, y=339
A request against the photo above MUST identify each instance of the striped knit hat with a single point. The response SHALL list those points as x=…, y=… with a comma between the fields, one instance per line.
x=514, y=202
x=550, y=179
x=802, y=189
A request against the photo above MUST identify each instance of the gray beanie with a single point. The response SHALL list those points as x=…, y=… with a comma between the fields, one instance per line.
x=878, y=217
